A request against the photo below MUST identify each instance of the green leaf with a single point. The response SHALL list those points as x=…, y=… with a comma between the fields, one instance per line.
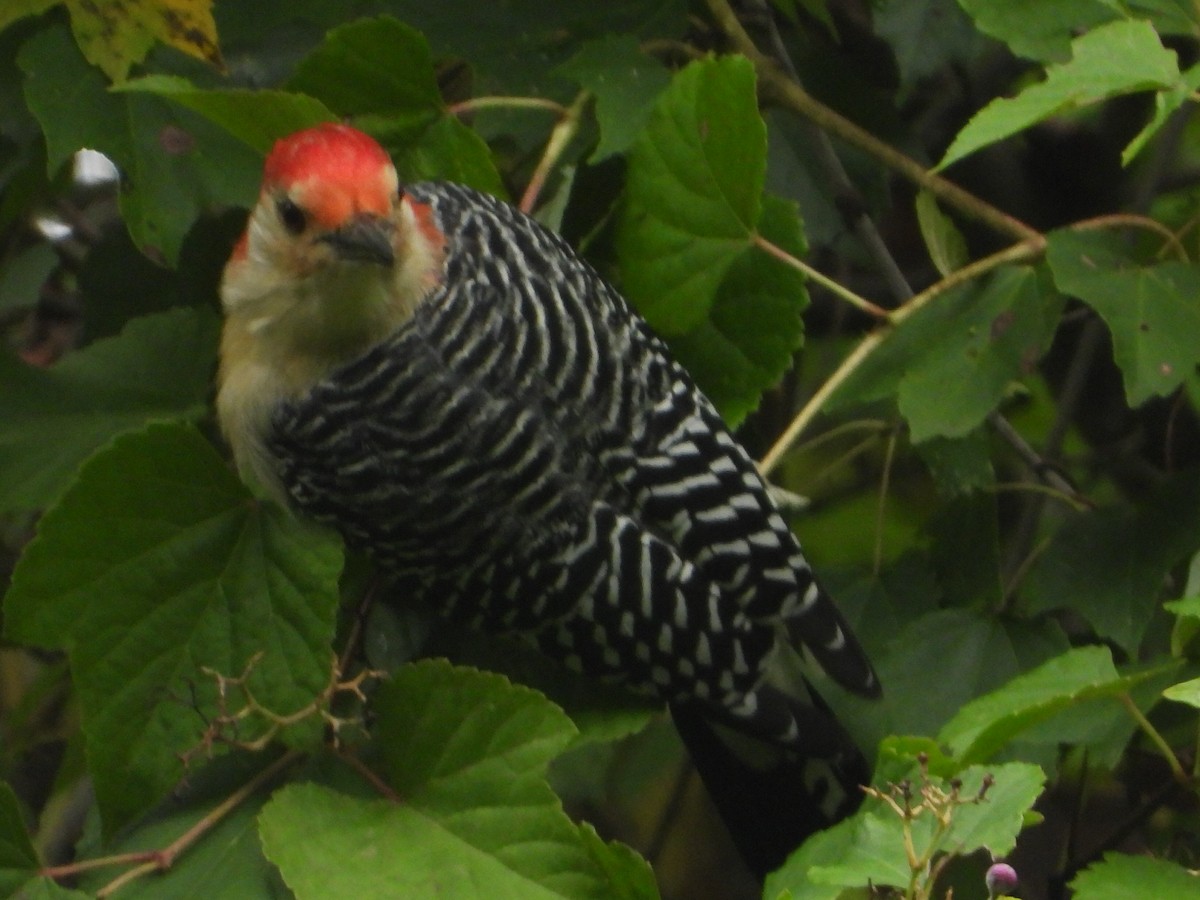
x=942, y=660
x=1000, y=339
x=687, y=237
x=926, y=36
x=945, y=243
x=1152, y=312
x=18, y=860
x=1038, y=29
x=694, y=193
x=48, y=889
x=468, y=753
x=960, y=465
x=754, y=325
x=987, y=723
x=515, y=47
x=155, y=564
x=953, y=361
x=174, y=164
x=625, y=82
x=1185, y=692
x=52, y=419
x=1111, y=60
x=1122, y=877
x=1186, y=610
x=869, y=848
x=1109, y=565
x=257, y=118
x=995, y=822
x=1165, y=104
x=372, y=66
x=380, y=71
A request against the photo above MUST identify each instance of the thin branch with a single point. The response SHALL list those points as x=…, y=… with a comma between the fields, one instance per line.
x=1157, y=739
x=869, y=344
x=785, y=90
x=474, y=104
x=560, y=137
x=162, y=860
x=1132, y=220
x=1037, y=464
x=847, y=198
x=369, y=775
x=804, y=418
x=860, y=303
x=885, y=481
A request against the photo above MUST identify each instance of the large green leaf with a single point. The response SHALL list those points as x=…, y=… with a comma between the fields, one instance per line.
x=380, y=72
x=984, y=725
x=1109, y=565
x=1120, y=876
x=945, y=659
x=52, y=419
x=155, y=564
x=1038, y=29
x=625, y=82
x=174, y=163
x=694, y=192
x=926, y=36
x=869, y=848
x=467, y=751
x=1152, y=312
x=515, y=45
x=257, y=118
x=754, y=324
x=1114, y=59
x=687, y=235
x=951, y=363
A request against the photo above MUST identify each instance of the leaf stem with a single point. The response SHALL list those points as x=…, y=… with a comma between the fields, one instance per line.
x=560, y=137
x=100, y=862
x=1157, y=739
x=885, y=481
x=804, y=418
x=369, y=775
x=869, y=344
x=1132, y=220
x=474, y=104
x=787, y=91
x=859, y=303
x=161, y=860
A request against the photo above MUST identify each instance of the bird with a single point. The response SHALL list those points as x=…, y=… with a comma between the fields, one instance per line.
x=446, y=383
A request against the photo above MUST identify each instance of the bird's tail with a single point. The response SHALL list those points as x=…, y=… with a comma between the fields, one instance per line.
x=772, y=797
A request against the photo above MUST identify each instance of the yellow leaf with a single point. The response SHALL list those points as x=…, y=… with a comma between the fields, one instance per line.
x=118, y=34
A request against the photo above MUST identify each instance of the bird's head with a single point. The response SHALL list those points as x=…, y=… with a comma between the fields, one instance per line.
x=333, y=251
x=329, y=195
x=335, y=257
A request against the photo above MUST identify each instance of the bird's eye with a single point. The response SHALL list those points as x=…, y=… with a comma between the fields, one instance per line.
x=292, y=216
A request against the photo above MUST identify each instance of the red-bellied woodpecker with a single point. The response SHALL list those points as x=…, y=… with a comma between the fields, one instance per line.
x=447, y=384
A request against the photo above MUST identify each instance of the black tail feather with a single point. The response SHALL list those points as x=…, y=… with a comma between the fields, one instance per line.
x=772, y=803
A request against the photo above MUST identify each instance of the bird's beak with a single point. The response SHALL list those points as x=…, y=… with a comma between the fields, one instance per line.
x=365, y=238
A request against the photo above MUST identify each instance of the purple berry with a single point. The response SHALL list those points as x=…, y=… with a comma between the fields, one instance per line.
x=1000, y=879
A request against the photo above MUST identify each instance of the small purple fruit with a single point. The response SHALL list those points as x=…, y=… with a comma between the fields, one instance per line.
x=1000, y=879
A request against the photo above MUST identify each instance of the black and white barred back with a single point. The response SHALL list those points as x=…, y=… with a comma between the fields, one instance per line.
x=526, y=455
